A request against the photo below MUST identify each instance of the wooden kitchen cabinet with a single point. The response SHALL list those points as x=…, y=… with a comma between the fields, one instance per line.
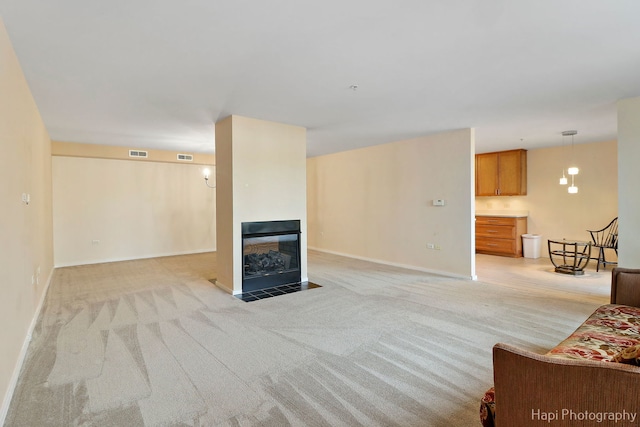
x=502, y=173
x=500, y=235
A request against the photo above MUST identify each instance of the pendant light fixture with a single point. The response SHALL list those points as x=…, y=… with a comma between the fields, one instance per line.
x=572, y=170
x=563, y=179
x=572, y=189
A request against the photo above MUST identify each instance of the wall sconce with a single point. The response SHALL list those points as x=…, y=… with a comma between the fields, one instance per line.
x=206, y=172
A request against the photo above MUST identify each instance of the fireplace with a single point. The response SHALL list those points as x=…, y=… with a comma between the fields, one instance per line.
x=270, y=254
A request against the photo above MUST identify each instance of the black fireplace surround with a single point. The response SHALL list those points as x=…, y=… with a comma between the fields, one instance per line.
x=270, y=254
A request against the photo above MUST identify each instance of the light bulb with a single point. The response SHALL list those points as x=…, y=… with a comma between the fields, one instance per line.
x=206, y=172
x=563, y=180
x=573, y=170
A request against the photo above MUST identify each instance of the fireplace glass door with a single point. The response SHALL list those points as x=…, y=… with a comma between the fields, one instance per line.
x=270, y=258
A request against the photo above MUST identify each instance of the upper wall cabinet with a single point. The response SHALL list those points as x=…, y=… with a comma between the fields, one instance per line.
x=503, y=173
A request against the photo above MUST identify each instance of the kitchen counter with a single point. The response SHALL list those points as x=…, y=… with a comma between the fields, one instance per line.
x=505, y=214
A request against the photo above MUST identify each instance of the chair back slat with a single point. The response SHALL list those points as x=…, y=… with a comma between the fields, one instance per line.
x=607, y=237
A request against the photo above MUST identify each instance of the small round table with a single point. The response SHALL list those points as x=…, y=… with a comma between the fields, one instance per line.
x=561, y=251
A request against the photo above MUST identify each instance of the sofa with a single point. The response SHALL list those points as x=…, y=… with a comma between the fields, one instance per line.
x=592, y=378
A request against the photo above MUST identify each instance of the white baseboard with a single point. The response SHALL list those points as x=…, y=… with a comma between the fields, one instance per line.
x=395, y=264
x=107, y=260
x=13, y=382
x=226, y=288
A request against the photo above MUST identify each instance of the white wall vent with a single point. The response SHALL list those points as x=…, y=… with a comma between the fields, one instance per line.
x=138, y=153
x=185, y=157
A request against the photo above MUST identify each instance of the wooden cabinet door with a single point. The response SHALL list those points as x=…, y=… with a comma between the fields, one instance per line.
x=500, y=235
x=510, y=173
x=487, y=174
x=502, y=173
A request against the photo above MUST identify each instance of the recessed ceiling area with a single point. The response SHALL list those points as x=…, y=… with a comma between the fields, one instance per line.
x=159, y=74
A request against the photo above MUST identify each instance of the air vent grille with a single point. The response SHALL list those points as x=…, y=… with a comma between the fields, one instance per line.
x=185, y=157
x=138, y=153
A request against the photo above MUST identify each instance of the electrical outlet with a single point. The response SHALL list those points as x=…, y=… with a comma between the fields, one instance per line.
x=437, y=247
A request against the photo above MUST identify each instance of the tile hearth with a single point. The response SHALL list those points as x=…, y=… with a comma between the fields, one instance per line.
x=275, y=291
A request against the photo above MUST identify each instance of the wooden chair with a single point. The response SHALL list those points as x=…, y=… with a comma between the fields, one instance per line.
x=607, y=238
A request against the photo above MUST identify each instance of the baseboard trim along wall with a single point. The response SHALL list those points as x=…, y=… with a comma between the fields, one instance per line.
x=102, y=261
x=395, y=264
x=13, y=382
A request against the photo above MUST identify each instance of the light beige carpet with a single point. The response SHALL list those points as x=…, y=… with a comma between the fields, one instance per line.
x=154, y=343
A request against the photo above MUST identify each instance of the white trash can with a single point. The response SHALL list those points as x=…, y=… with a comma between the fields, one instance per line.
x=531, y=245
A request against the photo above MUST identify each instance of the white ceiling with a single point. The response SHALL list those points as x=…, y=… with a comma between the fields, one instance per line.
x=160, y=73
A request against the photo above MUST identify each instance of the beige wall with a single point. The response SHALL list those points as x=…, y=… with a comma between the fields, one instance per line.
x=629, y=177
x=109, y=210
x=375, y=203
x=261, y=173
x=553, y=212
x=25, y=230
x=74, y=149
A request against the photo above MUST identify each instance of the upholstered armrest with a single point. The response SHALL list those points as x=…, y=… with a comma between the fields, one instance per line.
x=533, y=389
x=625, y=286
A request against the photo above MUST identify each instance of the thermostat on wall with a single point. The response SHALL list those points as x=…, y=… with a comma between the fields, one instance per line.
x=438, y=202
